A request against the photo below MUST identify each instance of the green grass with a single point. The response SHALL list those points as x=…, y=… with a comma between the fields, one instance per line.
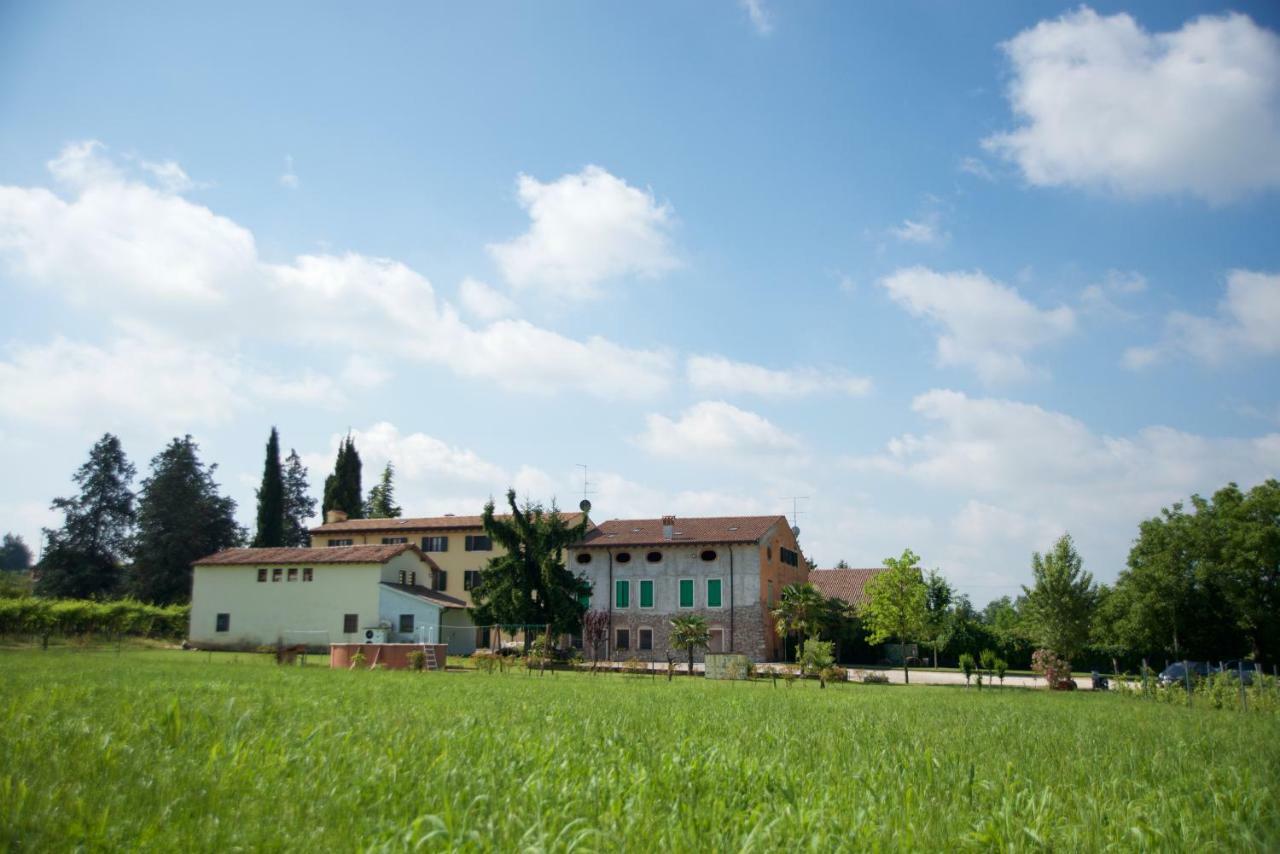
x=164, y=750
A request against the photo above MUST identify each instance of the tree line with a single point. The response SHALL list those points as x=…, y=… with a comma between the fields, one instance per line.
x=1200, y=583
x=117, y=542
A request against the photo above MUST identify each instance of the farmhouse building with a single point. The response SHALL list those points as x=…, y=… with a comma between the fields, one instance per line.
x=244, y=598
x=728, y=569
x=456, y=546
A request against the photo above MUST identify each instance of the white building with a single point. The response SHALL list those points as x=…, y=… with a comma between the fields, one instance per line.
x=244, y=598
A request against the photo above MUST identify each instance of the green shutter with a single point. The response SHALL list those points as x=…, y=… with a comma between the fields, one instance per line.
x=622, y=599
x=713, y=592
x=646, y=593
x=686, y=593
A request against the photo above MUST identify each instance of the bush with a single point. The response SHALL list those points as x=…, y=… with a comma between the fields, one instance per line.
x=967, y=664
x=635, y=667
x=1053, y=668
x=875, y=678
x=45, y=618
x=417, y=660
x=486, y=660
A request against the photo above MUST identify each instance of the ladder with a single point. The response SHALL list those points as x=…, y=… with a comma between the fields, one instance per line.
x=429, y=651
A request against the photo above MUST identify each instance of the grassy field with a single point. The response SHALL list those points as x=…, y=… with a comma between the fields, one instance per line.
x=164, y=750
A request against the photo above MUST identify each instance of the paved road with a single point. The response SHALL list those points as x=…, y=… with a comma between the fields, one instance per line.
x=947, y=677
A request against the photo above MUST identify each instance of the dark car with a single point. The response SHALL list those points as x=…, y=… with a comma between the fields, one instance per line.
x=1241, y=669
x=1177, y=672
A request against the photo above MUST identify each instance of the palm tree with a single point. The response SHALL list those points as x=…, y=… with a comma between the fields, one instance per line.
x=802, y=609
x=690, y=633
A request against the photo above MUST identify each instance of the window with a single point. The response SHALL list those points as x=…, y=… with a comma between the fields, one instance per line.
x=623, y=640
x=435, y=544
x=403, y=576
x=770, y=599
x=293, y=573
x=708, y=554
x=686, y=593
x=394, y=541
x=583, y=557
x=585, y=600
x=470, y=578
x=223, y=623
x=646, y=593
x=406, y=624
x=768, y=552
x=441, y=577
x=653, y=557
x=307, y=573
x=340, y=543
x=788, y=557
x=262, y=575
x=714, y=587
x=275, y=574
x=413, y=579
x=478, y=543
x=646, y=639
x=622, y=593
x=350, y=623
x=624, y=557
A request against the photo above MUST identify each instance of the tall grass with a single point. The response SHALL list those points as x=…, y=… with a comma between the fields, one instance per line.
x=186, y=751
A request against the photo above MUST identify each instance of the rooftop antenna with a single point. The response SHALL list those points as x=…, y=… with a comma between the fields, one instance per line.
x=795, y=511
x=585, y=504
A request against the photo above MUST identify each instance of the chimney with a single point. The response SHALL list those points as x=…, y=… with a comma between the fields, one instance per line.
x=335, y=516
x=668, y=527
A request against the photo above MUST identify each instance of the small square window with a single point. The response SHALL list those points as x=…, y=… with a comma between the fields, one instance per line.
x=293, y=573
x=406, y=624
x=262, y=575
x=623, y=641
x=402, y=576
x=223, y=623
x=306, y=574
x=413, y=579
x=350, y=623
x=276, y=573
x=646, y=639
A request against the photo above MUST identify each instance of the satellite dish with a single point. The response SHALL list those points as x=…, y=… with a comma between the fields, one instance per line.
x=795, y=531
x=584, y=505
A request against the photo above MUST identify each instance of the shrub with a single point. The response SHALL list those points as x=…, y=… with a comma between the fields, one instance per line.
x=875, y=678
x=967, y=664
x=635, y=667
x=417, y=660
x=486, y=660
x=1055, y=670
x=45, y=618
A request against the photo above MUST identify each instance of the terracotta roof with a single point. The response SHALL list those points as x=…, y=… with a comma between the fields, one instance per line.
x=847, y=584
x=321, y=556
x=693, y=529
x=417, y=523
x=435, y=597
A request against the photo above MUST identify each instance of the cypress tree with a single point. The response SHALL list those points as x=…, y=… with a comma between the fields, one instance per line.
x=299, y=506
x=342, y=488
x=181, y=518
x=381, y=503
x=271, y=498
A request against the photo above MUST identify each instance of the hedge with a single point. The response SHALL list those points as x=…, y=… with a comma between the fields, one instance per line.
x=44, y=618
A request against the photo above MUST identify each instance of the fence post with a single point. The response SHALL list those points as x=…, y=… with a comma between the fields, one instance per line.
x=1186, y=676
x=1244, y=699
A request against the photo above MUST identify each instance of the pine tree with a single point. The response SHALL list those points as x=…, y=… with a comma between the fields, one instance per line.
x=14, y=554
x=381, y=503
x=299, y=506
x=82, y=558
x=271, y=498
x=342, y=489
x=181, y=518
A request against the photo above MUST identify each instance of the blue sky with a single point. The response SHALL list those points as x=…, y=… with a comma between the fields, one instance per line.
x=965, y=277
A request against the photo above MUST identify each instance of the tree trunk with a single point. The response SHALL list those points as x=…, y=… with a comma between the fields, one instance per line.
x=691, y=661
x=902, y=647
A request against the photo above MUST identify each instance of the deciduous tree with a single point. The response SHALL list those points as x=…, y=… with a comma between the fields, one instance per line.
x=897, y=604
x=1059, y=604
x=14, y=554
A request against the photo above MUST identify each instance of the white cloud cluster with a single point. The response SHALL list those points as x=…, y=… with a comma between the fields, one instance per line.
x=586, y=229
x=1247, y=324
x=759, y=16
x=1103, y=103
x=986, y=326
x=718, y=374
x=157, y=265
x=716, y=431
x=484, y=302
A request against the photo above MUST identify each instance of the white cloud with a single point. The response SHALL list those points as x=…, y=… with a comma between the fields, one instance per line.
x=417, y=456
x=977, y=168
x=718, y=431
x=289, y=178
x=483, y=302
x=155, y=381
x=986, y=325
x=716, y=373
x=759, y=15
x=1100, y=297
x=146, y=259
x=586, y=229
x=924, y=231
x=1247, y=324
x=1104, y=103
x=172, y=177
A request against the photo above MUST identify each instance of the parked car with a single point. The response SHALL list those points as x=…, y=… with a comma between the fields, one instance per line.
x=1177, y=672
x=1242, y=669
